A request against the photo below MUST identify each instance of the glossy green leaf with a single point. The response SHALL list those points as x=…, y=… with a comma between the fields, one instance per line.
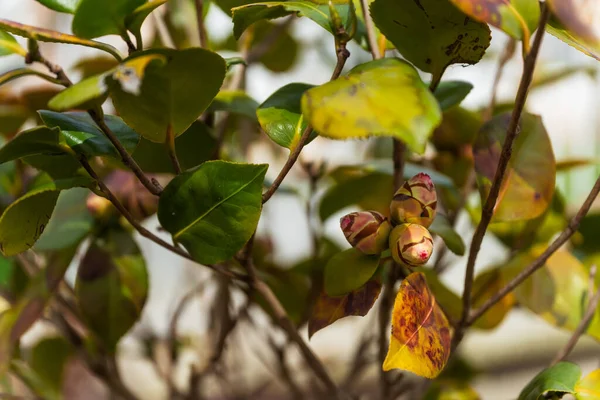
x=451, y=93
x=112, y=286
x=556, y=29
x=348, y=271
x=46, y=35
x=23, y=222
x=329, y=309
x=236, y=102
x=9, y=45
x=48, y=359
x=518, y=18
x=134, y=21
x=432, y=34
x=70, y=222
x=213, y=210
x=66, y=6
x=528, y=185
x=441, y=226
x=579, y=17
x=588, y=388
x=59, y=166
x=40, y=140
x=95, y=18
x=380, y=98
x=84, y=94
x=560, y=378
x=169, y=96
x=280, y=116
x=228, y=5
x=83, y=135
x=195, y=146
x=246, y=15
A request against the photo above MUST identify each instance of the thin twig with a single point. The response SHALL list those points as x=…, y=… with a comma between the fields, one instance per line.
x=385, y=309
x=342, y=56
x=541, y=260
x=371, y=34
x=488, y=208
x=171, y=149
x=130, y=46
x=201, y=28
x=583, y=324
x=145, y=232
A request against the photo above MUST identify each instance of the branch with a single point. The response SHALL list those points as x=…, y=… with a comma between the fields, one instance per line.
x=371, y=34
x=342, y=56
x=583, y=324
x=145, y=232
x=201, y=28
x=488, y=208
x=541, y=260
x=170, y=144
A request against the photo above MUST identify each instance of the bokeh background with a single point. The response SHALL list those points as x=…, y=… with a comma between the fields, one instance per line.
x=507, y=357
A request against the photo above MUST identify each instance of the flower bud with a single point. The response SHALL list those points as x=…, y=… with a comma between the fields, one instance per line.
x=411, y=244
x=367, y=231
x=414, y=202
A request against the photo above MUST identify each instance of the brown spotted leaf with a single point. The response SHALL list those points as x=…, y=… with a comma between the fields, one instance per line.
x=420, y=340
x=329, y=309
x=528, y=184
x=518, y=18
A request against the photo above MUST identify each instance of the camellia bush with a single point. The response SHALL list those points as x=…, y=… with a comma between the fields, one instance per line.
x=165, y=130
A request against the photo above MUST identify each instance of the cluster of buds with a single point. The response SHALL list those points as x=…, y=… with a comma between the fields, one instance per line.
x=412, y=210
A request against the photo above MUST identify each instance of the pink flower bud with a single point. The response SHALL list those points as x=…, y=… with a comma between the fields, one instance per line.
x=367, y=231
x=411, y=244
x=415, y=202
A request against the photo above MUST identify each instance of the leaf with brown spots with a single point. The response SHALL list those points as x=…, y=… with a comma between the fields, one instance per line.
x=329, y=309
x=420, y=340
x=517, y=18
x=528, y=184
x=431, y=34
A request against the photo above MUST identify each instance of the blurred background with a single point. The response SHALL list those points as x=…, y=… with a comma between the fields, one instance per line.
x=506, y=357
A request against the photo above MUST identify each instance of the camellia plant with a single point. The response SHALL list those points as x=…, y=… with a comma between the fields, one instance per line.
x=154, y=146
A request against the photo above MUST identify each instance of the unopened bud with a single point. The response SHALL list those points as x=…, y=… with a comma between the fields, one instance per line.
x=367, y=231
x=411, y=244
x=415, y=202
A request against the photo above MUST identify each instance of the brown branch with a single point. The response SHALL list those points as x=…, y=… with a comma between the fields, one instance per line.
x=385, y=310
x=145, y=232
x=541, y=260
x=201, y=28
x=342, y=56
x=170, y=144
x=371, y=34
x=130, y=46
x=488, y=208
x=583, y=324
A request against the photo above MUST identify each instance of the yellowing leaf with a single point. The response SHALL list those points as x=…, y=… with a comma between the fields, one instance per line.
x=588, y=388
x=329, y=309
x=380, y=98
x=484, y=287
x=420, y=340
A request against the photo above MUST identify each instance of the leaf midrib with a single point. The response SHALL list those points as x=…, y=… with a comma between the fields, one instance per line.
x=197, y=220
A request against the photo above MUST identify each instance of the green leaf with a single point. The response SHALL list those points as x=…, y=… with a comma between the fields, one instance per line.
x=451, y=93
x=518, y=18
x=23, y=222
x=40, y=140
x=441, y=226
x=48, y=360
x=246, y=15
x=70, y=222
x=95, y=18
x=112, y=286
x=451, y=390
x=83, y=135
x=280, y=115
x=134, y=21
x=528, y=186
x=9, y=45
x=234, y=101
x=66, y=6
x=432, y=34
x=59, y=166
x=560, y=378
x=557, y=30
x=213, y=210
x=171, y=96
x=87, y=93
x=380, y=98
x=578, y=17
x=293, y=291
x=45, y=35
x=348, y=271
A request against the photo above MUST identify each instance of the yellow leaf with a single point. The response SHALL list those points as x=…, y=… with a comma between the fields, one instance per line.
x=589, y=387
x=420, y=340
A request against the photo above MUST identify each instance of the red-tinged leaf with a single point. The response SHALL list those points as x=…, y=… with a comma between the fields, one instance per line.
x=420, y=340
x=329, y=309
